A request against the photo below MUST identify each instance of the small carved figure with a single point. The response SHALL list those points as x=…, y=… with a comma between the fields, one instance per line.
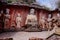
x=18, y=20
x=49, y=20
x=58, y=18
x=43, y=22
x=7, y=18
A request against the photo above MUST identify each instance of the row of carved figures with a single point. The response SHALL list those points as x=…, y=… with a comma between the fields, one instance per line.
x=44, y=23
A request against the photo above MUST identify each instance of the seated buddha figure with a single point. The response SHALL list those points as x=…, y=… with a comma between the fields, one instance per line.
x=31, y=18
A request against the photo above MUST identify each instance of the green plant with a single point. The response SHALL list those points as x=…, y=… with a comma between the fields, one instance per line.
x=9, y=1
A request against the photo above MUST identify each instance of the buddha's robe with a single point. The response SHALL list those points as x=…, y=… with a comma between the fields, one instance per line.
x=31, y=19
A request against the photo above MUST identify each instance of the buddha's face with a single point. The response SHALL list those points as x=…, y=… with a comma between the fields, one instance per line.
x=32, y=11
x=18, y=15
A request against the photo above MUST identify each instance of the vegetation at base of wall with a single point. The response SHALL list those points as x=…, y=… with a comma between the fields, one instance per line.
x=28, y=1
x=9, y=1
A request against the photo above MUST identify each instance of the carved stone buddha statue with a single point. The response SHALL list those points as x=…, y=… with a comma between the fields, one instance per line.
x=31, y=18
x=31, y=21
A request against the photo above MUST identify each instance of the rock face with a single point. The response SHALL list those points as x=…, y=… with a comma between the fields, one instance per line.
x=25, y=35
x=57, y=31
x=3, y=0
x=54, y=37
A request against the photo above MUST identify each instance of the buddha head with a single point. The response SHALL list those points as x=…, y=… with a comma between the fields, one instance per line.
x=18, y=15
x=32, y=11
